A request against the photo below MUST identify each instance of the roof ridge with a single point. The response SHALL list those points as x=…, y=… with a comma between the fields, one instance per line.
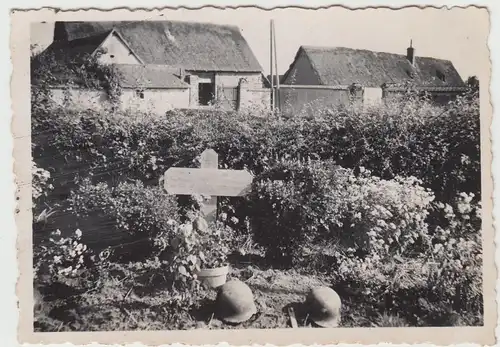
x=121, y=24
x=333, y=48
x=229, y=49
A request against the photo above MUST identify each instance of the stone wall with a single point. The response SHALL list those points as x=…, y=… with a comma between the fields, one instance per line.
x=251, y=81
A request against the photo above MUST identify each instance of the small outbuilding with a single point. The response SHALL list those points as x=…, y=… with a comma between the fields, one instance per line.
x=329, y=72
x=179, y=64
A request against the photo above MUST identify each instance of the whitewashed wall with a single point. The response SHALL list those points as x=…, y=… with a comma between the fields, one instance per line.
x=372, y=96
x=252, y=80
x=81, y=99
x=117, y=52
x=157, y=101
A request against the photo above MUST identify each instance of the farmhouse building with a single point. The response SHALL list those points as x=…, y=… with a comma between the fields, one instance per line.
x=169, y=64
x=331, y=72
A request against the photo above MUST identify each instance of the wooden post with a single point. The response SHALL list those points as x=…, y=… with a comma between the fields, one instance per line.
x=273, y=98
x=210, y=160
x=277, y=92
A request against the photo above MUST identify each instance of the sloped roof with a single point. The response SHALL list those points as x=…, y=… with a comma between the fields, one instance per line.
x=68, y=50
x=149, y=76
x=193, y=46
x=344, y=66
x=134, y=76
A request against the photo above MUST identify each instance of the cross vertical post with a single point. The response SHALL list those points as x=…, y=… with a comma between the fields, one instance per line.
x=208, y=180
x=210, y=160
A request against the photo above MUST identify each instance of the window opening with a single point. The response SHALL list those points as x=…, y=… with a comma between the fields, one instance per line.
x=441, y=76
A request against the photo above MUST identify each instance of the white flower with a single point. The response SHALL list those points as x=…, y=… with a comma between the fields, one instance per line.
x=78, y=233
x=66, y=270
x=234, y=220
x=170, y=222
x=186, y=229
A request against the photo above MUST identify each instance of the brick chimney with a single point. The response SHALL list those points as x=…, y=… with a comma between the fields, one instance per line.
x=410, y=53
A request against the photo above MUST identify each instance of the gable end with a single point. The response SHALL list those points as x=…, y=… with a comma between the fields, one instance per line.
x=302, y=71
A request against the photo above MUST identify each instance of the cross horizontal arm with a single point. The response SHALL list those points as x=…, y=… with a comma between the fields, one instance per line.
x=214, y=182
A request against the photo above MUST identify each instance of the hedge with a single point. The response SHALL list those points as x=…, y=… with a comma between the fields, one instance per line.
x=438, y=144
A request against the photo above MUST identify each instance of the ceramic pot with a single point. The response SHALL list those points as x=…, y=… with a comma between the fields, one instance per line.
x=215, y=277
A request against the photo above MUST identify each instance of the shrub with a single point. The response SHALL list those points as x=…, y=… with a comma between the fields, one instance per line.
x=406, y=136
x=125, y=218
x=134, y=208
x=294, y=204
x=457, y=248
x=385, y=218
x=385, y=242
x=40, y=183
x=432, y=272
x=64, y=260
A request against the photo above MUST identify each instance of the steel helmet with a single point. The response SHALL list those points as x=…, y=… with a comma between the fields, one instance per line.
x=235, y=303
x=323, y=305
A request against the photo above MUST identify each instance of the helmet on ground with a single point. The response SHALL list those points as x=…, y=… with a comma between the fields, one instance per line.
x=235, y=303
x=323, y=305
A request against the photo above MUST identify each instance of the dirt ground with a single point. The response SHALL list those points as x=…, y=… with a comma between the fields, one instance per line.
x=127, y=306
x=274, y=292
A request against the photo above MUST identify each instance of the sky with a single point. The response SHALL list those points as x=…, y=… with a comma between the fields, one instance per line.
x=458, y=34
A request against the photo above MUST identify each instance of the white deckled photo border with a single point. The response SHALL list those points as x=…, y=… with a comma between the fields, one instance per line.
x=21, y=131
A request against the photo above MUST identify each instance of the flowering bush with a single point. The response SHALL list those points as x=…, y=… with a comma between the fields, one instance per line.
x=384, y=240
x=386, y=217
x=457, y=248
x=299, y=205
x=191, y=246
x=434, y=270
x=40, y=185
x=64, y=259
x=196, y=245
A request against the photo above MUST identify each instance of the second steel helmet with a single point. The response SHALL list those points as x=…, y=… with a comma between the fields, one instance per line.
x=323, y=305
x=235, y=302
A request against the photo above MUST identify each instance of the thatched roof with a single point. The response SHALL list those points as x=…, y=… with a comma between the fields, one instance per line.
x=193, y=46
x=130, y=76
x=69, y=50
x=149, y=76
x=344, y=66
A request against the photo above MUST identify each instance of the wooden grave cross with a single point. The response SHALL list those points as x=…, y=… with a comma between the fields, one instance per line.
x=208, y=180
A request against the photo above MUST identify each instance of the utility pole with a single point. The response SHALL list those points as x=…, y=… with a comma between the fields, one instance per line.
x=277, y=93
x=273, y=99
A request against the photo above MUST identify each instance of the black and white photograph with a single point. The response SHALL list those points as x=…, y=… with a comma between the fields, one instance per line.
x=316, y=172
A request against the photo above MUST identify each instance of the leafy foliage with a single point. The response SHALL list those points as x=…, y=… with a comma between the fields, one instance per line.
x=55, y=68
x=377, y=239
x=367, y=196
x=132, y=207
x=294, y=204
x=404, y=137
